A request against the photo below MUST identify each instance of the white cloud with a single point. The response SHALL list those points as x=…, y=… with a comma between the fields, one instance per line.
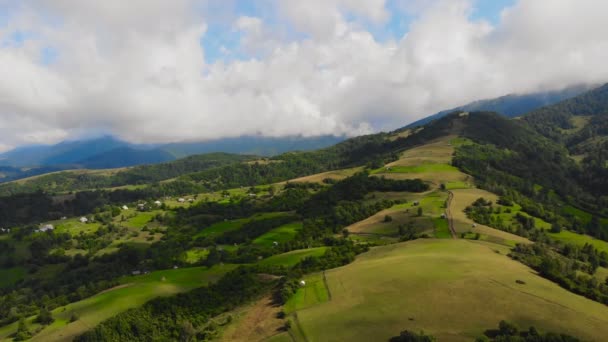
x=137, y=69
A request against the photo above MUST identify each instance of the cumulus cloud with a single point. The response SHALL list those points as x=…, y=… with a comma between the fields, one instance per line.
x=137, y=69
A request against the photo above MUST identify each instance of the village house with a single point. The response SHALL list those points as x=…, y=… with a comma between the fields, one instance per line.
x=124, y=207
x=84, y=220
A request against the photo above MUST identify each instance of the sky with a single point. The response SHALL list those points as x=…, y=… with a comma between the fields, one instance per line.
x=153, y=71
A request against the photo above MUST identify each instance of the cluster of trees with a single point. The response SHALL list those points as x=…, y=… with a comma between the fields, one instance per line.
x=561, y=266
x=410, y=336
x=508, y=332
x=145, y=174
x=341, y=253
x=184, y=317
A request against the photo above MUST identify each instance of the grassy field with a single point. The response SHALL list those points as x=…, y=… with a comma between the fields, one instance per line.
x=74, y=226
x=335, y=175
x=452, y=289
x=580, y=240
x=442, y=229
x=133, y=292
x=9, y=276
x=196, y=254
x=291, y=258
x=420, y=168
x=313, y=293
x=230, y=225
x=440, y=151
x=281, y=234
x=462, y=224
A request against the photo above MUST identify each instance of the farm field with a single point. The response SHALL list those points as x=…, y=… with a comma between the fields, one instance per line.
x=291, y=258
x=335, y=175
x=230, y=225
x=443, y=287
x=462, y=224
x=134, y=291
x=376, y=224
x=566, y=236
x=313, y=293
x=281, y=234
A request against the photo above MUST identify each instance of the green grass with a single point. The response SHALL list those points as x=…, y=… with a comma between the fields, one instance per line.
x=134, y=292
x=196, y=254
x=9, y=276
x=417, y=169
x=580, y=240
x=457, y=142
x=291, y=258
x=74, y=226
x=452, y=289
x=442, y=229
x=140, y=219
x=456, y=185
x=226, y=226
x=281, y=234
x=313, y=293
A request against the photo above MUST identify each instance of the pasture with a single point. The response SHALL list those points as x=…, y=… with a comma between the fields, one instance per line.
x=134, y=291
x=452, y=289
x=289, y=259
x=462, y=224
x=566, y=236
x=281, y=234
x=311, y=294
x=230, y=225
x=335, y=175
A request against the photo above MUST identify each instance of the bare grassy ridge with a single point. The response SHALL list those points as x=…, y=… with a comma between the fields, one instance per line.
x=452, y=289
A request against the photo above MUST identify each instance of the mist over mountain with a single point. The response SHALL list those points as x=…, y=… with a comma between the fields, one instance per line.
x=512, y=105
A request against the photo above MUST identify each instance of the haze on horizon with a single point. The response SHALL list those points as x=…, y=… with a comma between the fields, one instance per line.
x=152, y=71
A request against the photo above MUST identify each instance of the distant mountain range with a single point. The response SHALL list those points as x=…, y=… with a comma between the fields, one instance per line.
x=512, y=105
x=109, y=152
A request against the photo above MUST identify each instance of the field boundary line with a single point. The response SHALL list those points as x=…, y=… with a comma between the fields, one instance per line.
x=548, y=300
x=326, y=286
x=299, y=327
x=448, y=214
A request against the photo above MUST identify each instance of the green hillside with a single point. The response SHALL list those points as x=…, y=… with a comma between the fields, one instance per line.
x=454, y=290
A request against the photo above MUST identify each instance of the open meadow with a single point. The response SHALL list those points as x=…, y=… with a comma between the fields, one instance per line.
x=452, y=289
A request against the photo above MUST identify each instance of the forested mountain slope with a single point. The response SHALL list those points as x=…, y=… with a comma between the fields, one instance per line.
x=512, y=105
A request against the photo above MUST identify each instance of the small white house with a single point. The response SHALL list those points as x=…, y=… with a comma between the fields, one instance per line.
x=191, y=200
x=302, y=283
x=181, y=200
x=136, y=272
x=158, y=203
x=175, y=267
x=47, y=227
x=124, y=207
x=84, y=220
